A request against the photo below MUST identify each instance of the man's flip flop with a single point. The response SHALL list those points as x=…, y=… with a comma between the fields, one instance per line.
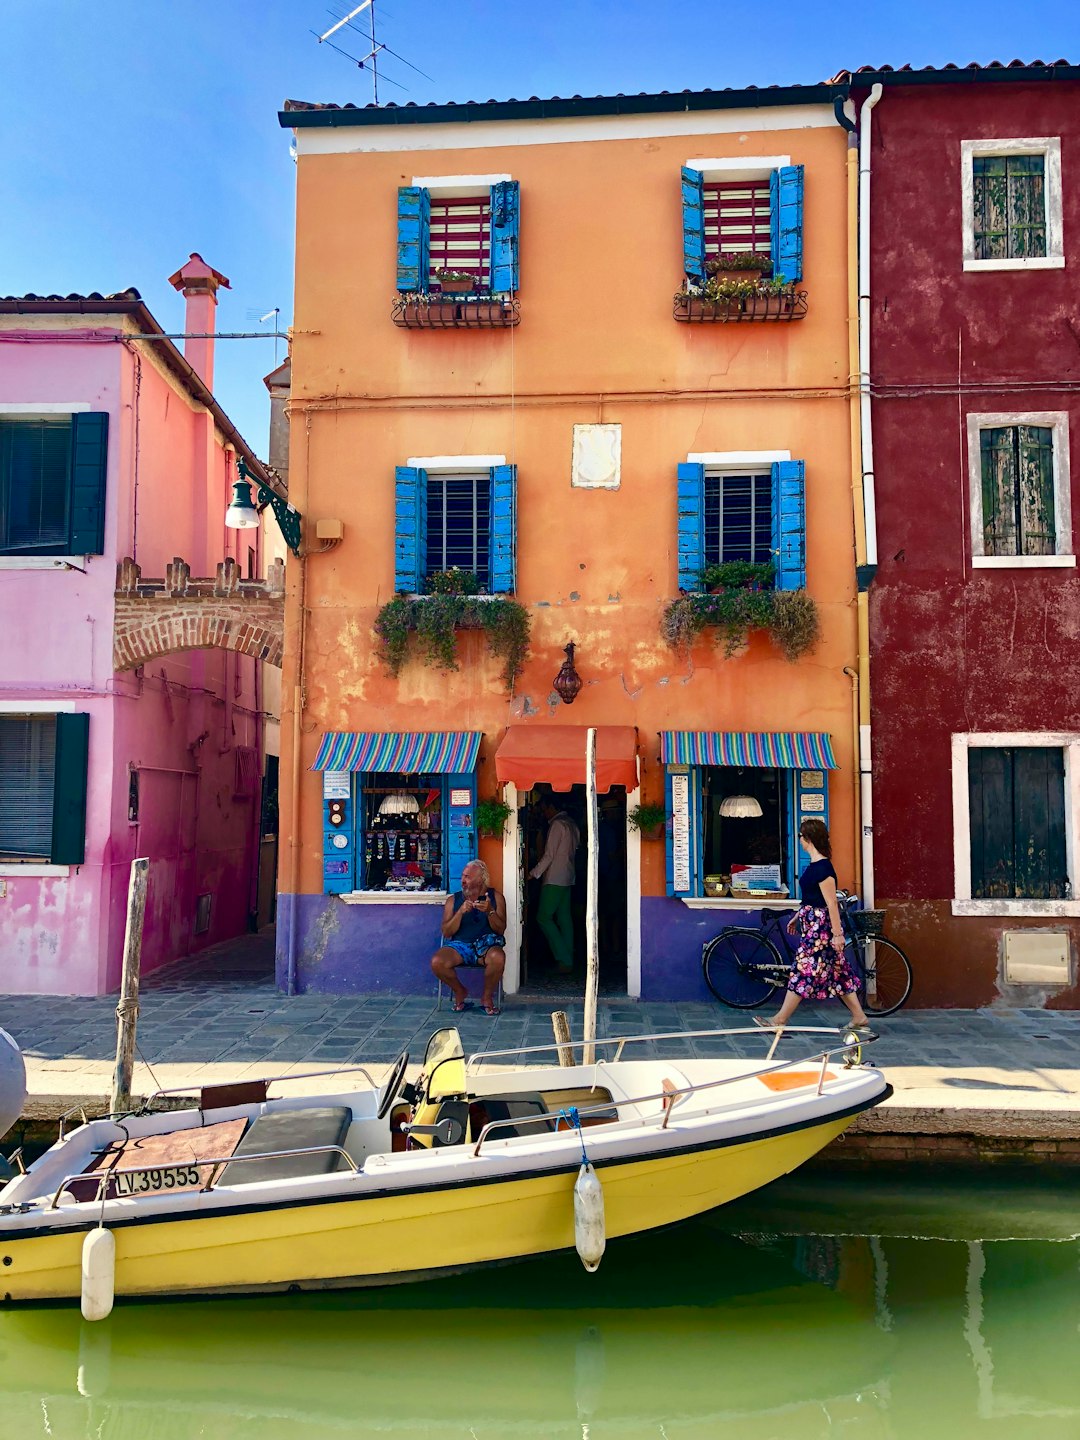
x=459, y=1006
x=491, y=1010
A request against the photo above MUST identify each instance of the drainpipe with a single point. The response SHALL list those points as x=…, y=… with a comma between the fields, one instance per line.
x=867, y=570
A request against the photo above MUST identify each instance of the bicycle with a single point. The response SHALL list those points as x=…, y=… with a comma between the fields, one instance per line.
x=743, y=966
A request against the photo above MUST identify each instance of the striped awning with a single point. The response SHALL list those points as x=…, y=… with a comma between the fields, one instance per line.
x=410, y=752
x=797, y=750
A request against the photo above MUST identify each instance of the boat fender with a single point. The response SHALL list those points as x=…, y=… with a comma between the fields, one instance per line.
x=98, y=1274
x=589, y=1236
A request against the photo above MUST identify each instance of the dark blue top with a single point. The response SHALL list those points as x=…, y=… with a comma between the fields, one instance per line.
x=810, y=882
x=474, y=924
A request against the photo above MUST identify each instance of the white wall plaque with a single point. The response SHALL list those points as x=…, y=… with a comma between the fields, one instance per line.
x=460, y=797
x=680, y=831
x=812, y=779
x=597, y=457
x=812, y=804
x=337, y=784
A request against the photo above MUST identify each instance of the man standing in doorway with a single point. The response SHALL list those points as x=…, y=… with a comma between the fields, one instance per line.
x=557, y=868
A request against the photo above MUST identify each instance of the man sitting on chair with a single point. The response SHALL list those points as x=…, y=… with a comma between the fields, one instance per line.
x=473, y=933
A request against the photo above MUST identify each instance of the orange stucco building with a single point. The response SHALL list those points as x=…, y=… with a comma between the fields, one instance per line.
x=560, y=427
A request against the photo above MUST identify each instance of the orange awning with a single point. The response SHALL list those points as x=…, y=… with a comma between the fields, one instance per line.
x=555, y=755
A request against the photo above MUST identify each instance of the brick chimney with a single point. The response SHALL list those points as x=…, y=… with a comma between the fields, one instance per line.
x=199, y=284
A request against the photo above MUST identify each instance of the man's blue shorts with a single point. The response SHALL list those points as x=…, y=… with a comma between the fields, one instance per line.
x=472, y=952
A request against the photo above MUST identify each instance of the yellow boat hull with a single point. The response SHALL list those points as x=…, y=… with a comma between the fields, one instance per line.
x=390, y=1237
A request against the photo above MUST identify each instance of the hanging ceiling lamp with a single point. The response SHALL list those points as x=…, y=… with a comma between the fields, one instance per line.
x=399, y=802
x=740, y=807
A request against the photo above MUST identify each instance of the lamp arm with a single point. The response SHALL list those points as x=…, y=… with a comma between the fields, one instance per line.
x=286, y=515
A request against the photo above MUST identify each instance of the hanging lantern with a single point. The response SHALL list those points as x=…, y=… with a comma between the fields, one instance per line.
x=740, y=807
x=567, y=684
x=401, y=802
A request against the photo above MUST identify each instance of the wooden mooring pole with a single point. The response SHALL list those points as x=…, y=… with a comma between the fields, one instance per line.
x=127, y=1011
x=561, y=1026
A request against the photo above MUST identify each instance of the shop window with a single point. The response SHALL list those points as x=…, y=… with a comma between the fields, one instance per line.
x=1016, y=800
x=746, y=851
x=43, y=769
x=400, y=832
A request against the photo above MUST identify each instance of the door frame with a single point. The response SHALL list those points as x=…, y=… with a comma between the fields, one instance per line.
x=514, y=891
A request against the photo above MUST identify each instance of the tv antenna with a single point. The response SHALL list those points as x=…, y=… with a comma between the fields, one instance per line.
x=370, y=61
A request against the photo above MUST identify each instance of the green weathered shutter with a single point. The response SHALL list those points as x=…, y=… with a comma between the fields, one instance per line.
x=998, y=461
x=786, y=222
x=1035, y=486
x=503, y=542
x=413, y=233
x=410, y=529
x=505, y=225
x=690, y=503
x=69, y=789
x=1040, y=871
x=789, y=523
x=693, y=219
x=89, y=462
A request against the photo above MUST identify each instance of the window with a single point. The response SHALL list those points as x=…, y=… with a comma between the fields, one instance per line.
x=401, y=825
x=1016, y=801
x=762, y=840
x=1016, y=823
x=738, y=518
x=466, y=222
x=733, y=205
x=1020, y=503
x=1011, y=204
x=52, y=484
x=456, y=511
x=742, y=506
x=458, y=523
x=43, y=760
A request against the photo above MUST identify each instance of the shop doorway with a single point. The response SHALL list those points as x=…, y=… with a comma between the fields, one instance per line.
x=539, y=971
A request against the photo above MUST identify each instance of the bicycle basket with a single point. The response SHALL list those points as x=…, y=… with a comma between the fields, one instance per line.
x=869, y=923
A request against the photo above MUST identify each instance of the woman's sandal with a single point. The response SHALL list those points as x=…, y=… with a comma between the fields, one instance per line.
x=766, y=1023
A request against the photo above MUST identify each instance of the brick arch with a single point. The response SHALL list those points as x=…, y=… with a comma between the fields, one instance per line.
x=154, y=618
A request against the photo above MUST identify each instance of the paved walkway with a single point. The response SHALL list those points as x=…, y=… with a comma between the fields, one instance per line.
x=221, y=1017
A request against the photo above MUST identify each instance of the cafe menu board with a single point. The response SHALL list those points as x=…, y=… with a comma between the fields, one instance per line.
x=680, y=832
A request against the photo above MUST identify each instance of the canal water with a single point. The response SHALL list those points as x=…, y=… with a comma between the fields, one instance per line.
x=823, y=1307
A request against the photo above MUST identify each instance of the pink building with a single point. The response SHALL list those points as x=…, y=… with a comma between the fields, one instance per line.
x=112, y=445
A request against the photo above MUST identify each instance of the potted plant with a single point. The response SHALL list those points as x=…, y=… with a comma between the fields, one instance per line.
x=738, y=575
x=491, y=817
x=648, y=819
x=745, y=265
x=455, y=282
x=455, y=581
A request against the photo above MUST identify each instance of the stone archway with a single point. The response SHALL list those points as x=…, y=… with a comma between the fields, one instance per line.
x=160, y=617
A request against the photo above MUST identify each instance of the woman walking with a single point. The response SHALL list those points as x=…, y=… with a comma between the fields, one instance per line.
x=821, y=970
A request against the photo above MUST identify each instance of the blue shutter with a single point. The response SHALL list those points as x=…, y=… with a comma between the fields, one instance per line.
x=459, y=836
x=339, y=865
x=693, y=223
x=413, y=228
x=69, y=789
x=695, y=817
x=89, y=459
x=800, y=809
x=503, y=547
x=789, y=524
x=691, y=522
x=786, y=221
x=410, y=529
x=505, y=219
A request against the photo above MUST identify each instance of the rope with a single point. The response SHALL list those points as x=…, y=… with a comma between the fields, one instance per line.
x=571, y=1116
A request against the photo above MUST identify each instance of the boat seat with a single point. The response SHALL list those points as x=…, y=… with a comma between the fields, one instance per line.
x=509, y=1107
x=290, y=1130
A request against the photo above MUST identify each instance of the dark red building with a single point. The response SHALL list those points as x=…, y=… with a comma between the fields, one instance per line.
x=975, y=604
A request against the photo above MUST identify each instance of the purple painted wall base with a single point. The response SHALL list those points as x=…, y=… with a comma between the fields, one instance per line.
x=358, y=949
x=387, y=949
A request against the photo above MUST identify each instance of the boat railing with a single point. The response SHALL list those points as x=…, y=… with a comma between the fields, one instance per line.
x=266, y=1080
x=671, y=1094
x=218, y=1163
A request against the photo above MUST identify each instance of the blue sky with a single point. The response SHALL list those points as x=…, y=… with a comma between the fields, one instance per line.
x=140, y=130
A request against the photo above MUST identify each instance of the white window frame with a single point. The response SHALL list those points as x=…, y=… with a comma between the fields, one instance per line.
x=1048, y=146
x=34, y=869
x=1058, y=422
x=963, y=904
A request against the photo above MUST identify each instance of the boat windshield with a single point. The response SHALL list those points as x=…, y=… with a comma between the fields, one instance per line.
x=444, y=1063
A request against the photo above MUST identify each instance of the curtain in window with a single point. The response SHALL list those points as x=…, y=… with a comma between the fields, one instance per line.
x=27, y=770
x=1018, y=490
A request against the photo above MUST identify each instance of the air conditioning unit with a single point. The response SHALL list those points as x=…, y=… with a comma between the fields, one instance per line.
x=1036, y=957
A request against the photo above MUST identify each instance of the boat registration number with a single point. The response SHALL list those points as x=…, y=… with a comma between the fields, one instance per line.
x=145, y=1182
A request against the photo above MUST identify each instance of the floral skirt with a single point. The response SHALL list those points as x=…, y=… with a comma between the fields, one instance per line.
x=819, y=973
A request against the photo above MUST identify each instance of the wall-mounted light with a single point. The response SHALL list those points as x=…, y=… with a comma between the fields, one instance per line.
x=242, y=514
x=567, y=684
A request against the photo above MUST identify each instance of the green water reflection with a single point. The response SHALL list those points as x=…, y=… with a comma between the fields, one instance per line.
x=717, y=1328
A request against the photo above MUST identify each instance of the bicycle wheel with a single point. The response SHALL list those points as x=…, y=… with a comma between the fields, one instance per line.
x=886, y=977
x=741, y=968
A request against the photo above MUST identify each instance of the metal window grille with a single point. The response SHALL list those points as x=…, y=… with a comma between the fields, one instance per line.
x=459, y=523
x=738, y=518
x=1018, y=490
x=459, y=237
x=737, y=217
x=1010, y=206
x=27, y=770
x=35, y=483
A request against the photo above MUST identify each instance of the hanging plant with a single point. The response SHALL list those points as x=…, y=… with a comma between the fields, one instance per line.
x=436, y=619
x=790, y=617
x=648, y=819
x=490, y=817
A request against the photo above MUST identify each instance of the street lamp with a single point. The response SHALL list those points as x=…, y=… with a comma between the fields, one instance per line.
x=242, y=514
